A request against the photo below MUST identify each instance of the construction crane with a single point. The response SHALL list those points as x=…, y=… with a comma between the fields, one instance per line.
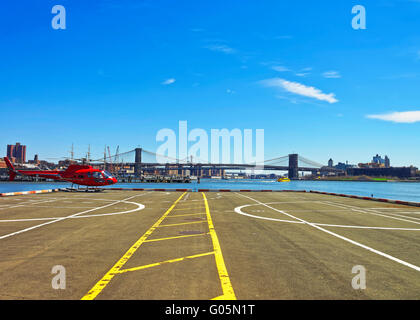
x=110, y=161
x=105, y=158
x=116, y=160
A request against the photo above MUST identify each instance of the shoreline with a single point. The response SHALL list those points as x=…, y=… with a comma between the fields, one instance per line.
x=228, y=180
x=348, y=180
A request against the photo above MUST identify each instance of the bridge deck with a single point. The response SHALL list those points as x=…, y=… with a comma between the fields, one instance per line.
x=174, y=245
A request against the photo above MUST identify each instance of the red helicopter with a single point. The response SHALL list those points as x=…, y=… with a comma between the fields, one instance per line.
x=84, y=175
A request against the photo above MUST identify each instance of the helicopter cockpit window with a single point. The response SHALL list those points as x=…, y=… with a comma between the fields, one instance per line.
x=97, y=175
x=106, y=174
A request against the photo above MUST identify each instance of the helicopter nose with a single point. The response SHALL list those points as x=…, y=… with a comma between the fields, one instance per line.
x=111, y=181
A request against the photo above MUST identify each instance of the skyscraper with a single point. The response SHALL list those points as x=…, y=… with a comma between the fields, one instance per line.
x=387, y=162
x=330, y=163
x=17, y=152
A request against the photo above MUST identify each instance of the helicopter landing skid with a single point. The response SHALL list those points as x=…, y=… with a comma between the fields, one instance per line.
x=83, y=190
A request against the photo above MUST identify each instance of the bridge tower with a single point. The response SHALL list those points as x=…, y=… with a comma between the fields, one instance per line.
x=293, y=166
x=137, y=162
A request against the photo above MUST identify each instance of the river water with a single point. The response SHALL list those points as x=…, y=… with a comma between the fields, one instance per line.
x=408, y=191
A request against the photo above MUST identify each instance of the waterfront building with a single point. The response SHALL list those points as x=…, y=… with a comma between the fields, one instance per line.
x=3, y=164
x=343, y=166
x=400, y=172
x=378, y=160
x=387, y=162
x=330, y=163
x=16, y=153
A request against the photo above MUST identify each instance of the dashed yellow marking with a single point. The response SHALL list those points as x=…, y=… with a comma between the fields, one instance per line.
x=176, y=237
x=184, y=215
x=156, y=264
x=228, y=293
x=193, y=208
x=180, y=224
x=101, y=284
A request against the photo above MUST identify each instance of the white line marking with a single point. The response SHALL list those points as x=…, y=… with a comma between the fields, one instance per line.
x=368, y=212
x=57, y=207
x=342, y=207
x=64, y=218
x=398, y=215
x=186, y=197
x=385, y=255
x=139, y=207
x=27, y=203
x=388, y=208
x=239, y=211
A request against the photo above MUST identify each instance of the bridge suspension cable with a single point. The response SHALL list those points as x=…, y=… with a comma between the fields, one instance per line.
x=277, y=160
x=310, y=162
x=115, y=157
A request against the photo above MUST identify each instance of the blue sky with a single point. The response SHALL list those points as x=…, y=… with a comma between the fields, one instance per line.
x=122, y=70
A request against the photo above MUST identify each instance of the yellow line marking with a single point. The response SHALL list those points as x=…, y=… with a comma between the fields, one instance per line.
x=176, y=237
x=101, y=284
x=228, y=293
x=193, y=208
x=222, y=297
x=179, y=224
x=184, y=215
x=163, y=262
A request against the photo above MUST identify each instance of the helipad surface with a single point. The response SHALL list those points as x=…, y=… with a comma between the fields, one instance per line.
x=194, y=245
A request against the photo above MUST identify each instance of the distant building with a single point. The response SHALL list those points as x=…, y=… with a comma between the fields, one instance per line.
x=401, y=172
x=330, y=163
x=378, y=160
x=343, y=166
x=35, y=161
x=3, y=168
x=3, y=164
x=16, y=153
x=387, y=162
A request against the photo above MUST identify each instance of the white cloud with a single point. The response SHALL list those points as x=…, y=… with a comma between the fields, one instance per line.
x=302, y=74
x=299, y=89
x=168, y=81
x=280, y=68
x=221, y=48
x=331, y=74
x=398, y=117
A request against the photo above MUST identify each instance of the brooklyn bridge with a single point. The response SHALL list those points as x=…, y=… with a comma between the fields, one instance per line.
x=142, y=161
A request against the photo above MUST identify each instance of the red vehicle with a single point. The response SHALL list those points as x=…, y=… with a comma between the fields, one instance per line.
x=84, y=175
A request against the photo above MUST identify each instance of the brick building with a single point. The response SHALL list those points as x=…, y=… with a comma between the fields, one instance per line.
x=16, y=153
